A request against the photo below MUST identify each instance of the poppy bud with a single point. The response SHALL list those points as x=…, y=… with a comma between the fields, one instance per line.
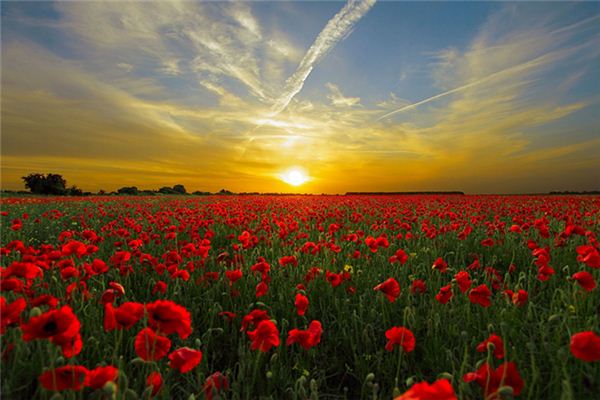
x=137, y=361
x=505, y=391
x=554, y=317
x=370, y=377
x=198, y=342
x=269, y=374
x=273, y=358
x=110, y=390
x=35, y=312
x=446, y=375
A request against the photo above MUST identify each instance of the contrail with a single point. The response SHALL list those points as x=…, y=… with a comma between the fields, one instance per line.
x=337, y=29
x=517, y=68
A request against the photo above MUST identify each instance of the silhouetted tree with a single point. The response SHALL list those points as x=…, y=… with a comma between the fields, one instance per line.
x=45, y=184
x=180, y=189
x=167, y=190
x=74, y=191
x=128, y=190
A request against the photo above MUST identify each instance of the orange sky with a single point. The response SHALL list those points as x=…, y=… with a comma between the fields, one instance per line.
x=363, y=97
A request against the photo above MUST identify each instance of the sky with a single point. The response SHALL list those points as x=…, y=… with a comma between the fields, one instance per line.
x=481, y=97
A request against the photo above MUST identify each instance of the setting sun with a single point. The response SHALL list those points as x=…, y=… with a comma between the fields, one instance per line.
x=294, y=177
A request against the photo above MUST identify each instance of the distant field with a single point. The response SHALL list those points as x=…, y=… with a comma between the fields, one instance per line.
x=284, y=297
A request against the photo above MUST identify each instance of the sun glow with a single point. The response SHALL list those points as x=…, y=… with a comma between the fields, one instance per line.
x=294, y=176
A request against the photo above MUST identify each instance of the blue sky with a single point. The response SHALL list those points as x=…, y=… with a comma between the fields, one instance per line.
x=474, y=96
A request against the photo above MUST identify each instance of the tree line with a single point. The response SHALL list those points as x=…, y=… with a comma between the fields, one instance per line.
x=56, y=185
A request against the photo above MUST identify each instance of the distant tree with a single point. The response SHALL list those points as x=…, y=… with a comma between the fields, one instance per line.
x=224, y=191
x=199, y=193
x=101, y=192
x=45, y=184
x=180, y=189
x=74, y=191
x=132, y=190
x=167, y=190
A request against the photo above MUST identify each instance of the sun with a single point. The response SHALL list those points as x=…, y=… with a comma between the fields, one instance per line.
x=294, y=176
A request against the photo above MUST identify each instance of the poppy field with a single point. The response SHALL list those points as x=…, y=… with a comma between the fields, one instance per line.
x=300, y=297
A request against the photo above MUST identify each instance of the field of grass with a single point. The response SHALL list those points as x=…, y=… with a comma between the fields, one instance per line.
x=297, y=297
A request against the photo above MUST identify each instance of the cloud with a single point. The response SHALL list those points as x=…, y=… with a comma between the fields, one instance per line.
x=338, y=99
x=337, y=29
x=105, y=118
x=221, y=43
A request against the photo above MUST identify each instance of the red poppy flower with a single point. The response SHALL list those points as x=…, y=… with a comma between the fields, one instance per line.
x=438, y=390
x=64, y=378
x=589, y=255
x=253, y=318
x=150, y=346
x=74, y=247
x=390, y=288
x=124, y=316
x=288, y=260
x=261, y=266
x=440, y=265
x=418, y=286
x=464, y=281
x=586, y=346
x=491, y=380
x=444, y=295
x=154, y=381
x=234, y=275
x=70, y=346
x=99, y=376
x=160, y=286
x=10, y=313
x=44, y=300
x=215, y=384
x=400, y=336
x=333, y=278
x=24, y=270
x=185, y=359
x=261, y=289
x=480, y=295
x=301, y=304
x=307, y=338
x=400, y=257
x=585, y=280
x=487, y=242
x=265, y=336
x=61, y=326
x=168, y=317
x=97, y=267
x=498, y=345
x=117, y=287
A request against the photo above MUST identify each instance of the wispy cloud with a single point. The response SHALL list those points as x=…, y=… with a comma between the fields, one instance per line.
x=338, y=99
x=338, y=28
x=104, y=112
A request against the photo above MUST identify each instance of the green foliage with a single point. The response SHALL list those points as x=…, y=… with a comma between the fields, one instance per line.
x=131, y=190
x=179, y=189
x=53, y=184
